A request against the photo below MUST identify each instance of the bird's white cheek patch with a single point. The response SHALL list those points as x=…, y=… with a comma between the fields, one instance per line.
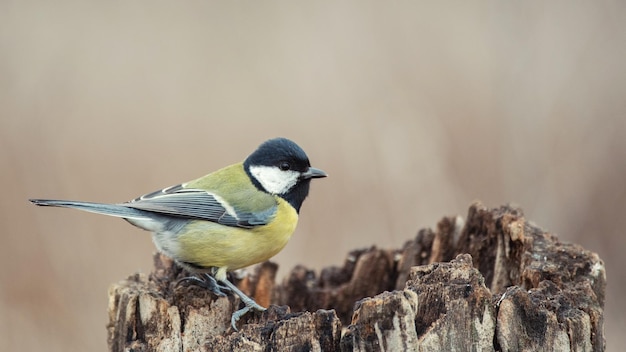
x=275, y=180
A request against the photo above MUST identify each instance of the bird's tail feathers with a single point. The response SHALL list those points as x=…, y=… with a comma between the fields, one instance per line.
x=116, y=210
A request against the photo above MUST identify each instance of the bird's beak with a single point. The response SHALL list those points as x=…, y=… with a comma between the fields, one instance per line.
x=313, y=172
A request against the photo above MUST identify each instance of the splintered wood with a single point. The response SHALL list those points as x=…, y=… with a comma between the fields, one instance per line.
x=494, y=282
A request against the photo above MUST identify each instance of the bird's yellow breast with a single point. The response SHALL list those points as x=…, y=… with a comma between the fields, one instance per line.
x=207, y=244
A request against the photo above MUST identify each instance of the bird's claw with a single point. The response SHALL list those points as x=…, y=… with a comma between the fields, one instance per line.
x=206, y=281
x=241, y=312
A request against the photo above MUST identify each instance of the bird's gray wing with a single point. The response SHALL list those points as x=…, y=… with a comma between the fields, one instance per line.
x=199, y=204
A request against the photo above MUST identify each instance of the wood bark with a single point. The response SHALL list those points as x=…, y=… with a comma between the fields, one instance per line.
x=492, y=282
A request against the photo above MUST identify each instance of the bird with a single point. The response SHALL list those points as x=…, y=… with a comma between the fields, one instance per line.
x=232, y=218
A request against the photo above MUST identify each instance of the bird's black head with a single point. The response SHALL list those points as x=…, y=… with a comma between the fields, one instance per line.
x=279, y=166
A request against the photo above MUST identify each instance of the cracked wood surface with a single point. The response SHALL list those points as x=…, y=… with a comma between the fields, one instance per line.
x=491, y=282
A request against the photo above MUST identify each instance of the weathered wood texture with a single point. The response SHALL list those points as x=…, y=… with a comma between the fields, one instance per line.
x=494, y=282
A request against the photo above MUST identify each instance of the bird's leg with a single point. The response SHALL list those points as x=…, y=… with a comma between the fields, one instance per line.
x=208, y=282
x=247, y=301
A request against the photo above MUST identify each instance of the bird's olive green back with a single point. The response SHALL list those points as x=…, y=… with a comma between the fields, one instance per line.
x=233, y=185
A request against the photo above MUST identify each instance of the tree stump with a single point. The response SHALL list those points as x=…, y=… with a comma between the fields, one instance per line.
x=494, y=282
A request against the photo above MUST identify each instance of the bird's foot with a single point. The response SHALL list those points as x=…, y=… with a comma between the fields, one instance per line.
x=241, y=312
x=248, y=302
x=206, y=281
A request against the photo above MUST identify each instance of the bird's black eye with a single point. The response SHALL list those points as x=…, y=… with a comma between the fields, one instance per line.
x=285, y=166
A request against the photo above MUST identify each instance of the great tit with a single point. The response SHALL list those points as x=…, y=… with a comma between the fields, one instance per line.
x=234, y=217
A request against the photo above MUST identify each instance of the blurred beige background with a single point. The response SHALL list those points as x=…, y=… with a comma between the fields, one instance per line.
x=415, y=110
